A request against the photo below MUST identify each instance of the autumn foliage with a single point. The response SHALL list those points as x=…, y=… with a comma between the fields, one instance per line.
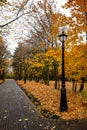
x=38, y=56
x=50, y=99
x=4, y=58
x=47, y=66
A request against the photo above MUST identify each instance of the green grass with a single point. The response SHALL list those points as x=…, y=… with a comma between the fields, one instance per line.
x=84, y=95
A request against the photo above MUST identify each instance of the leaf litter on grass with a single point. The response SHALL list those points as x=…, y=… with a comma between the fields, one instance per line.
x=49, y=99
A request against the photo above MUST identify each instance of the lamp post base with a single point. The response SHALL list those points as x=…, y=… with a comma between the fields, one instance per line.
x=63, y=101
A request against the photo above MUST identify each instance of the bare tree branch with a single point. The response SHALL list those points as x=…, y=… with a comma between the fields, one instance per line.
x=14, y=20
x=22, y=7
x=18, y=16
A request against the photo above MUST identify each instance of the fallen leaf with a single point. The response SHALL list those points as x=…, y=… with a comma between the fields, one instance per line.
x=5, y=110
x=4, y=117
x=19, y=119
x=53, y=128
x=26, y=119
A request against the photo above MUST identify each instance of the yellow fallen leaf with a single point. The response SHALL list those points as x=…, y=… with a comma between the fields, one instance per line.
x=19, y=119
x=6, y=111
x=53, y=128
x=26, y=119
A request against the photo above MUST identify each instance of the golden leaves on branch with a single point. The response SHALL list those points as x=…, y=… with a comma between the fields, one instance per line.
x=81, y=2
x=76, y=62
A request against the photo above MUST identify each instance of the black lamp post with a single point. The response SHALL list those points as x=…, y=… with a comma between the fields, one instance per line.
x=63, y=100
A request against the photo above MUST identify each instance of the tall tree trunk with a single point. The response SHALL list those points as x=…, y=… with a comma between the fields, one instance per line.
x=20, y=76
x=25, y=76
x=58, y=84
x=74, y=85
x=3, y=75
x=56, y=75
x=47, y=75
x=82, y=85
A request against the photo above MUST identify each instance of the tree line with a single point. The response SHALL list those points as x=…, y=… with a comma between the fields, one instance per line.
x=39, y=56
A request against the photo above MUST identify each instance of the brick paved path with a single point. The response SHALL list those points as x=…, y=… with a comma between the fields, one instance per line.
x=18, y=113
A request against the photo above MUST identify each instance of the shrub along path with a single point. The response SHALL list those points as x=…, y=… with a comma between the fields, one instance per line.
x=18, y=113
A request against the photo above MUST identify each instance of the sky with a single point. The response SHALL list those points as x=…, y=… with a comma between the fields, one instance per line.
x=15, y=30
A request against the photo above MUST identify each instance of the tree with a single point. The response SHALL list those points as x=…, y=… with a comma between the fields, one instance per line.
x=18, y=60
x=46, y=23
x=18, y=8
x=78, y=10
x=4, y=58
x=76, y=62
x=55, y=62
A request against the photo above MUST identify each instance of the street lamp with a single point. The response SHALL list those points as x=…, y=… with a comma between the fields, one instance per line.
x=63, y=100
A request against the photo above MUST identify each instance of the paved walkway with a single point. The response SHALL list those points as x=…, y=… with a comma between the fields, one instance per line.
x=18, y=113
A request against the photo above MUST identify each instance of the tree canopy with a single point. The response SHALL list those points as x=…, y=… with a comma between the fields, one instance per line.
x=39, y=48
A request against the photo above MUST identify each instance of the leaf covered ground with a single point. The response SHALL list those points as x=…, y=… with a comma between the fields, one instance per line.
x=1, y=81
x=49, y=100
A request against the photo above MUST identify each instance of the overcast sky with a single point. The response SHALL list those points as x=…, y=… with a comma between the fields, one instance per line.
x=15, y=32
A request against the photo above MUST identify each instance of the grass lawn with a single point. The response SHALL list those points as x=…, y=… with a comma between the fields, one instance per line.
x=47, y=100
